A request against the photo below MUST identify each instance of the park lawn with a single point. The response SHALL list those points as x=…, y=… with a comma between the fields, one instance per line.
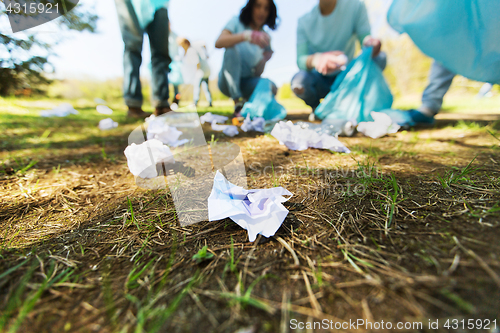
x=403, y=229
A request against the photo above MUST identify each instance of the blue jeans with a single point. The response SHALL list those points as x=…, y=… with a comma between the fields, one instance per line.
x=132, y=35
x=231, y=82
x=439, y=82
x=203, y=82
x=314, y=86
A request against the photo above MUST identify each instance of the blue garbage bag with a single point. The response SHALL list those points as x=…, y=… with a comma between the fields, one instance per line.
x=263, y=104
x=463, y=35
x=175, y=74
x=357, y=91
x=145, y=10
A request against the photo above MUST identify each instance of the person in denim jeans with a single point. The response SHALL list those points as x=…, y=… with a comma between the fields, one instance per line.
x=133, y=25
x=247, y=50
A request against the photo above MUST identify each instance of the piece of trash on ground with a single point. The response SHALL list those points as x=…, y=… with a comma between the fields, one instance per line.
x=100, y=101
x=107, y=124
x=256, y=125
x=333, y=127
x=160, y=130
x=142, y=159
x=257, y=211
x=62, y=110
x=103, y=109
x=297, y=138
x=210, y=118
x=229, y=130
x=381, y=126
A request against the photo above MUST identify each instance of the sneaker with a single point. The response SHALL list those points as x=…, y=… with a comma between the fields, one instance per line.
x=237, y=109
x=162, y=110
x=312, y=117
x=137, y=113
x=419, y=118
x=210, y=105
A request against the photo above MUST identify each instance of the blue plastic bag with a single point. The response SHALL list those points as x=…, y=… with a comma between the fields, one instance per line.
x=175, y=74
x=357, y=91
x=263, y=104
x=463, y=35
x=145, y=10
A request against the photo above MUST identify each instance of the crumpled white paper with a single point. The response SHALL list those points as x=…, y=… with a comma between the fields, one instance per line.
x=142, y=159
x=158, y=129
x=106, y=124
x=257, y=211
x=257, y=124
x=210, y=118
x=62, y=110
x=103, y=109
x=297, y=138
x=100, y=101
x=229, y=130
x=382, y=125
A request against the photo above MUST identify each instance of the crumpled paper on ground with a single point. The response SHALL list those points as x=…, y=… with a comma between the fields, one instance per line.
x=107, y=124
x=297, y=138
x=229, y=130
x=257, y=211
x=103, y=109
x=142, y=159
x=100, y=101
x=257, y=124
x=381, y=126
x=62, y=110
x=160, y=130
x=211, y=118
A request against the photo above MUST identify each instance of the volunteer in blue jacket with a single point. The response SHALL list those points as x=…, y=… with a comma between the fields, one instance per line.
x=248, y=50
x=326, y=39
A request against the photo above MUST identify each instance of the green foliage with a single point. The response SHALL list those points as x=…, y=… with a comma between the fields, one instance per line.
x=202, y=255
x=456, y=175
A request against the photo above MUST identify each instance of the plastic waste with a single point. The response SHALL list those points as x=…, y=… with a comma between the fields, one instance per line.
x=263, y=104
x=107, y=124
x=103, y=109
x=62, y=110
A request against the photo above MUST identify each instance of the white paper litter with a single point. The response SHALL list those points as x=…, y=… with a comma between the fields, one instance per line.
x=62, y=110
x=257, y=211
x=229, y=130
x=382, y=125
x=257, y=124
x=99, y=101
x=159, y=129
x=142, y=159
x=297, y=138
x=107, y=124
x=103, y=109
x=210, y=118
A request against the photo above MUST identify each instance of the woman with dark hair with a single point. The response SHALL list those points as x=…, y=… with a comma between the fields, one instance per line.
x=248, y=50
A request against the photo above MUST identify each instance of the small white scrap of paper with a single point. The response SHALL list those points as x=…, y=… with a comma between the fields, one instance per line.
x=229, y=130
x=107, y=124
x=297, y=138
x=62, y=110
x=257, y=124
x=159, y=129
x=257, y=211
x=99, y=101
x=142, y=159
x=103, y=109
x=381, y=126
x=210, y=118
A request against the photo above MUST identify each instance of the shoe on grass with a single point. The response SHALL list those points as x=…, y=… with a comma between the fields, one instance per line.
x=162, y=110
x=137, y=113
x=420, y=118
x=237, y=108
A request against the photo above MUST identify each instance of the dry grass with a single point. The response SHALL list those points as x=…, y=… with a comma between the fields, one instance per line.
x=375, y=235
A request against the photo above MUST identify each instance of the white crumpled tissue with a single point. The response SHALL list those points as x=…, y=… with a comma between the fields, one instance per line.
x=257, y=211
x=382, y=125
x=229, y=130
x=211, y=118
x=103, y=109
x=159, y=129
x=297, y=138
x=142, y=159
x=257, y=124
x=62, y=110
x=106, y=124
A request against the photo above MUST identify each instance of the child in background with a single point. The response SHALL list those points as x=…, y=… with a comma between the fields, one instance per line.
x=248, y=50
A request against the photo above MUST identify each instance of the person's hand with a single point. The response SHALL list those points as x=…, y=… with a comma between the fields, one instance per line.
x=259, y=38
x=375, y=43
x=329, y=62
x=268, y=55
